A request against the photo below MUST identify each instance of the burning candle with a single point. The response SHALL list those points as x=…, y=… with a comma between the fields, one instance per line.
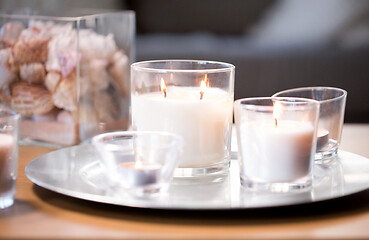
x=139, y=174
x=283, y=148
x=140, y=162
x=275, y=147
x=190, y=98
x=204, y=122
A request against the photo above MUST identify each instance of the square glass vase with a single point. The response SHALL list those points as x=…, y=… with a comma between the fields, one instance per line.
x=68, y=77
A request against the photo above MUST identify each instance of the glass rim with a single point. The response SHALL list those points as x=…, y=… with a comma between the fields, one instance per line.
x=225, y=66
x=66, y=19
x=302, y=102
x=343, y=95
x=99, y=139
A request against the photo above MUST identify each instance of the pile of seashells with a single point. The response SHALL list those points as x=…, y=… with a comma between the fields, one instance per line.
x=66, y=84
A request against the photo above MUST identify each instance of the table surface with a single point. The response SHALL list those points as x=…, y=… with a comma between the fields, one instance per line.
x=42, y=214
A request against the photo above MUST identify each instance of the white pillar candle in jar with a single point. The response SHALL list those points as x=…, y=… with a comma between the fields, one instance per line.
x=276, y=142
x=203, y=117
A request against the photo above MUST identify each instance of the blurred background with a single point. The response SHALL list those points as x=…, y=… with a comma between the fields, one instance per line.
x=274, y=44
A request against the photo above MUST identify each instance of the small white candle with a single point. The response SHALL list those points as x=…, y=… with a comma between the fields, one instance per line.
x=139, y=174
x=203, y=120
x=276, y=153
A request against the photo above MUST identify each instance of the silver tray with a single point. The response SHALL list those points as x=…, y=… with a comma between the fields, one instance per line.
x=76, y=172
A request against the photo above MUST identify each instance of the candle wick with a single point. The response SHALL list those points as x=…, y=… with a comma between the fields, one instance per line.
x=165, y=93
x=201, y=95
x=276, y=122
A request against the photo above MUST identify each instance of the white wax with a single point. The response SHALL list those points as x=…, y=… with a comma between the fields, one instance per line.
x=204, y=124
x=276, y=154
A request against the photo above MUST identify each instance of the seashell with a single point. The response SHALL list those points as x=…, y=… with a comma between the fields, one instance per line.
x=10, y=32
x=67, y=61
x=32, y=73
x=99, y=77
x=93, y=45
x=65, y=95
x=6, y=74
x=52, y=80
x=30, y=50
x=30, y=99
x=62, y=42
x=5, y=97
x=38, y=28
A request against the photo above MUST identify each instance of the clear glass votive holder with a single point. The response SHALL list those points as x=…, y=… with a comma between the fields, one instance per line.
x=276, y=142
x=332, y=110
x=9, y=128
x=139, y=162
x=193, y=99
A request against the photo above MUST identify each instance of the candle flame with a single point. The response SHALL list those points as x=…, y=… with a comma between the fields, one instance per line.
x=138, y=164
x=203, y=85
x=206, y=81
x=163, y=87
x=276, y=112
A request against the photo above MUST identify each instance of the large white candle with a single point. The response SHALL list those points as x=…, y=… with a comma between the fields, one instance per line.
x=205, y=124
x=276, y=153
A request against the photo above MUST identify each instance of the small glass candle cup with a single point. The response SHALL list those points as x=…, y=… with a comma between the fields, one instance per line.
x=332, y=110
x=193, y=99
x=276, y=142
x=9, y=129
x=139, y=162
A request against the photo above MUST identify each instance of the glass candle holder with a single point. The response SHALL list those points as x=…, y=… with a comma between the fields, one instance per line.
x=68, y=77
x=139, y=162
x=332, y=110
x=9, y=127
x=276, y=142
x=193, y=99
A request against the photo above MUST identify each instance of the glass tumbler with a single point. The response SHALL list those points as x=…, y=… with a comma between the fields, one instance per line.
x=332, y=110
x=139, y=162
x=193, y=99
x=9, y=125
x=276, y=142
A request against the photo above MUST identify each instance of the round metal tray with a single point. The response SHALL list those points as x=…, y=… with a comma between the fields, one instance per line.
x=76, y=172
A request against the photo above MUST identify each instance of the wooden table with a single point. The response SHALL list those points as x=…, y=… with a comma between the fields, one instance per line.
x=42, y=214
